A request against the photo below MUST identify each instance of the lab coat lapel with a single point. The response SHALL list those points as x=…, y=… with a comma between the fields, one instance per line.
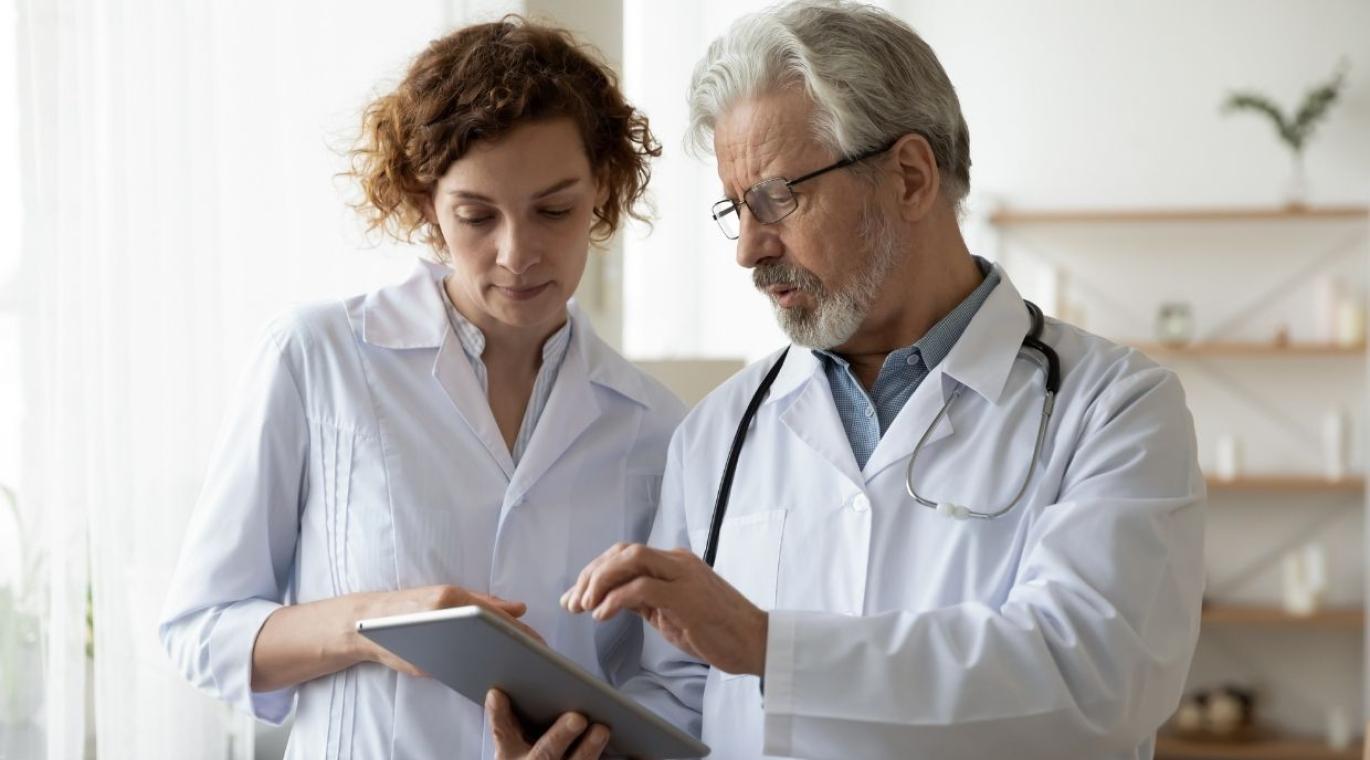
x=412, y=316
x=571, y=408
x=452, y=369
x=807, y=410
x=912, y=422
x=980, y=361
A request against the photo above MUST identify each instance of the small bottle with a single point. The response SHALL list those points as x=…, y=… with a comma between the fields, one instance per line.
x=1174, y=323
x=1229, y=458
x=1336, y=444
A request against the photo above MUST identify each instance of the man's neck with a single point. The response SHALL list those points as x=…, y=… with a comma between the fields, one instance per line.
x=912, y=302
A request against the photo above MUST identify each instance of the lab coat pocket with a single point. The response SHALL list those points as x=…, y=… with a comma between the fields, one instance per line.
x=748, y=555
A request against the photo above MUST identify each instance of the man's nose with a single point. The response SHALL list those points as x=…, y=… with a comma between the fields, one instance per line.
x=756, y=242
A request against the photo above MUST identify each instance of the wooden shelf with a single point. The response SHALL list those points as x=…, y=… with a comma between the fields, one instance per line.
x=1251, y=349
x=1005, y=218
x=1274, y=748
x=1224, y=614
x=1286, y=484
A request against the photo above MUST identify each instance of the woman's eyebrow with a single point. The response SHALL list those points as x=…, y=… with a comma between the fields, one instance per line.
x=555, y=188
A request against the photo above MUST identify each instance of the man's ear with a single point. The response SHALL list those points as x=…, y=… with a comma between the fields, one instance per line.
x=919, y=180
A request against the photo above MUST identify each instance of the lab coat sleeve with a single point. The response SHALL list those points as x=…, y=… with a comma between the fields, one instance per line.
x=1087, y=655
x=239, y=550
x=671, y=682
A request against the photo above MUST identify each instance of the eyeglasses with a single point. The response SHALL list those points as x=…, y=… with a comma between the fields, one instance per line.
x=771, y=200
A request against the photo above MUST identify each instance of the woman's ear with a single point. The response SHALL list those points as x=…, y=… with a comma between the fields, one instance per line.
x=601, y=192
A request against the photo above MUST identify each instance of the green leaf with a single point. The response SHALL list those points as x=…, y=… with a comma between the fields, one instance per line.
x=1254, y=101
x=1318, y=102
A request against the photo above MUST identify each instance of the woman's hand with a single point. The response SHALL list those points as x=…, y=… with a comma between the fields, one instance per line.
x=422, y=599
x=559, y=742
x=301, y=642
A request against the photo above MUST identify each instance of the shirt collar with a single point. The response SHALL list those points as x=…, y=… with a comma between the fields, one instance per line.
x=937, y=342
x=981, y=358
x=412, y=314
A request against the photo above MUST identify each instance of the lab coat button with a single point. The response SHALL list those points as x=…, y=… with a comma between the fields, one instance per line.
x=861, y=503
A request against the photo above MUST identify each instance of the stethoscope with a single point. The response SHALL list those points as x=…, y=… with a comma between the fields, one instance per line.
x=1052, y=384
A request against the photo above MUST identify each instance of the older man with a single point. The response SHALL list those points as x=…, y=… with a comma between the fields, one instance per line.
x=917, y=555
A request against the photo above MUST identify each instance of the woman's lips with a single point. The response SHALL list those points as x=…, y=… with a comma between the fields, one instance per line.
x=523, y=294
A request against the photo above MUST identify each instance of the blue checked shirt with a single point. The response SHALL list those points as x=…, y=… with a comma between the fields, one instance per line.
x=553, y=352
x=866, y=417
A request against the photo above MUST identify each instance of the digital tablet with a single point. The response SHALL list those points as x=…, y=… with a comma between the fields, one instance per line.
x=473, y=650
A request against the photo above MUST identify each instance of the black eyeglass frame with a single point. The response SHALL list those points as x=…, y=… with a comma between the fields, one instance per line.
x=724, y=207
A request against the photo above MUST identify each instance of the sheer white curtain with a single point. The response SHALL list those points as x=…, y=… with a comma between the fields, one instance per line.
x=179, y=188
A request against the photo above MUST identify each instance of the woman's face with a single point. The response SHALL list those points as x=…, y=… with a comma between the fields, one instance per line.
x=515, y=215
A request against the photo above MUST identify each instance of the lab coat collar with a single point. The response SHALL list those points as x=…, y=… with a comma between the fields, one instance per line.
x=412, y=315
x=981, y=358
x=984, y=355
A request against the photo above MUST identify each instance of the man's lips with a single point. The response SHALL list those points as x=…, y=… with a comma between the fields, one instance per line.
x=784, y=295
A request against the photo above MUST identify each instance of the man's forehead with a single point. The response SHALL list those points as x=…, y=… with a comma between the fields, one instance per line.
x=756, y=133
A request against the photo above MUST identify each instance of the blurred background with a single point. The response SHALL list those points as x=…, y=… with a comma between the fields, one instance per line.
x=168, y=183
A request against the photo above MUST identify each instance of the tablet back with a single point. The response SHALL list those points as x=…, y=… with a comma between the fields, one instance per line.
x=472, y=650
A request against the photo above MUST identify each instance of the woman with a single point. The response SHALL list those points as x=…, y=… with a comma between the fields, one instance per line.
x=460, y=438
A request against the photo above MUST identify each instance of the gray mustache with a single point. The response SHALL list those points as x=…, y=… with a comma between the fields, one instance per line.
x=784, y=274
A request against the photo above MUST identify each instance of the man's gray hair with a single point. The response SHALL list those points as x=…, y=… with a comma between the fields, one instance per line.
x=871, y=78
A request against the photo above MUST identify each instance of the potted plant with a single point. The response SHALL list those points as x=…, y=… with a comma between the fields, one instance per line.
x=1294, y=129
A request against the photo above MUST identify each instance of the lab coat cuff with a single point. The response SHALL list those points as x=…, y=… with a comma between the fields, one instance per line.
x=231, y=645
x=778, y=702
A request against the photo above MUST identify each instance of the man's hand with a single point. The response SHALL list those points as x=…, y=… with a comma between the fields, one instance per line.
x=510, y=743
x=680, y=596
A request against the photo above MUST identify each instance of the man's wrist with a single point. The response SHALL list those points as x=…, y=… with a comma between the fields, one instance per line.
x=759, y=645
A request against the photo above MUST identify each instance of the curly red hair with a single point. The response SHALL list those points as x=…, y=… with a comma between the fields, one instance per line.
x=478, y=83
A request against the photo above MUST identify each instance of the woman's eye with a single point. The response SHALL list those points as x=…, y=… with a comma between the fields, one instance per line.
x=555, y=213
x=474, y=221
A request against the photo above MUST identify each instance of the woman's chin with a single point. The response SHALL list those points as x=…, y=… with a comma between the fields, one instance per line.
x=534, y=313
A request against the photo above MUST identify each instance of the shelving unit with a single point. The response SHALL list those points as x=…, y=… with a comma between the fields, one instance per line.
x=1220, y=615
x=1008, y=218
x=1239, y=349
x=1307, y=484
x=1268, y=748
x=1227, y=357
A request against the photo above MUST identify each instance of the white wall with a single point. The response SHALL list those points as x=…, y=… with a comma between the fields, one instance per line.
x=1074, y=103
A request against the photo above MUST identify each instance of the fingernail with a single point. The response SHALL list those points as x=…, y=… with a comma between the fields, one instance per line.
x=577, y=723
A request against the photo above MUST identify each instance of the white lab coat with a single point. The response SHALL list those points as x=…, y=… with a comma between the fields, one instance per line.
x=364, y=457
x=1063, y=629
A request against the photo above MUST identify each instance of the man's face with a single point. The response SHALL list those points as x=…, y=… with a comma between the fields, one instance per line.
x=822, y=265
